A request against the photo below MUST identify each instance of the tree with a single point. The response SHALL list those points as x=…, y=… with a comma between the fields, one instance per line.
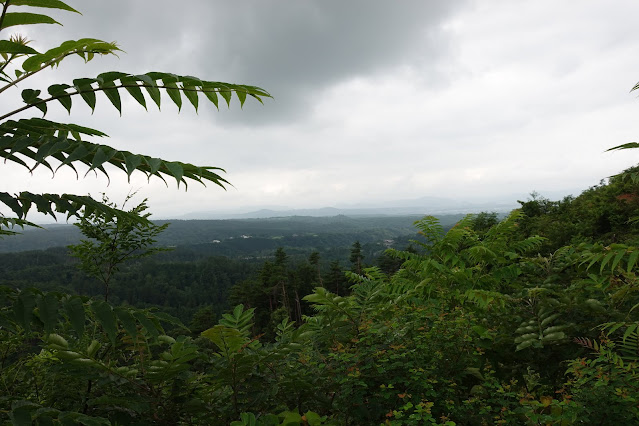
x=33, y=142
x=314, y=259
x=356, y=257
x=113, y=241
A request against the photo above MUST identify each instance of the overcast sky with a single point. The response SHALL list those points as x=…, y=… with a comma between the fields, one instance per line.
x=374, y=101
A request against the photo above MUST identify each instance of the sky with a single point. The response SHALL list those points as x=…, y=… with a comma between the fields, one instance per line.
x=372, y=101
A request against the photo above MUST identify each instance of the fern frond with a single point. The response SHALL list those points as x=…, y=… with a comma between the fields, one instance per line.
x=430, y=228
x=113, y=84
x=36, y=140
x=68, y=204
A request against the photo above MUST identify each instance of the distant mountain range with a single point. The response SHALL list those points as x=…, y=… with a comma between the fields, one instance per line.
x=419, y=206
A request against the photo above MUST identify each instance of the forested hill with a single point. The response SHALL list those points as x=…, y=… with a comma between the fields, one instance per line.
x=238, y=237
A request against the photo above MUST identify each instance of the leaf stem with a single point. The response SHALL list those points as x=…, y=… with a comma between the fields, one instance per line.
x=101, y=89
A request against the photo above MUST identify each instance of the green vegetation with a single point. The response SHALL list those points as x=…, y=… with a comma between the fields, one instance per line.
x=486, y=323
x=111, y=242
x=529, y=320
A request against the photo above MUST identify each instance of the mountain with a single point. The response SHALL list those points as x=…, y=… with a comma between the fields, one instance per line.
x=419, y=206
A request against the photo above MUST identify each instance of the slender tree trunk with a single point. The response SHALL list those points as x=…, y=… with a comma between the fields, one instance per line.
x=298, y=306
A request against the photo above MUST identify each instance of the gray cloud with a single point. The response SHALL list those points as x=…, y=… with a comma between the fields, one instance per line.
x=293, y=49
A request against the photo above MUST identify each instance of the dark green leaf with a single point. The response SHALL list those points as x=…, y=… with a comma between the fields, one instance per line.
x=53, y=4
x=59, y=92
x=11, y=47
x=174, y=94
x=112, y=93
x=83, y=85
x=48, y=306
x=134, y=90
x=23, y=18
x=105, y=316
x=75, y=311
x=128, y=321
x=150, y=327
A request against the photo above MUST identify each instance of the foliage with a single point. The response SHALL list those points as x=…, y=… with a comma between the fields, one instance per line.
x=33, y=142
x=114, y=241
x=529, y=320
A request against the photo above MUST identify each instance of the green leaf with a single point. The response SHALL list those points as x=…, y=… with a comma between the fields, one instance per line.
x=629, y=145
x=523, y=345
x=163, y=316
x=23, y=18
x=11, y=202
x=21, y=414
x=191, y=95
x=150, y=327
x=48, y=305
x=52, y=4
x=128, y=321
x=177, y=171
x=59, y=91
x=112, y=93
x=630, y=330
x=228, y=340
x=605, y=260
x=23, y=308
x=75, y=311
x=30, y=96
x=151, y=87
x=102, y=155
x=212, y=96
x=632, y=259
x=132, y=162
x=13, y=48
x=105, y=316
x=134, y=90
x=241, y=95
x=617, y=259
x=174, y=93
x=226, y=94
x=83, y=86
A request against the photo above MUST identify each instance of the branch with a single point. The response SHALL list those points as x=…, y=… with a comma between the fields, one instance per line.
x=4, y=12
x=45, y=65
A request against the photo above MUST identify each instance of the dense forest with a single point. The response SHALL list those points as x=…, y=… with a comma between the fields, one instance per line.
x=194, y=275
x=528, y=319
